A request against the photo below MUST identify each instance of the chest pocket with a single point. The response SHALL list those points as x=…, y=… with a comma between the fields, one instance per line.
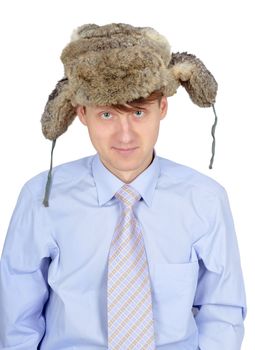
x=173, y=292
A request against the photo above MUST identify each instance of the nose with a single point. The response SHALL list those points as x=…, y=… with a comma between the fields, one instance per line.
x=125, y=129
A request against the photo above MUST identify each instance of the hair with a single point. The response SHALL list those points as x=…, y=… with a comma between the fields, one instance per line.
x=138, y=103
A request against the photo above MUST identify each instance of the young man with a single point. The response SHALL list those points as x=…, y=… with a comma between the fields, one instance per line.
x=125, y=249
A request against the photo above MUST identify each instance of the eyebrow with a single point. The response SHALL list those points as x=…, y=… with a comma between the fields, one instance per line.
x=108, y=108
x=103, y=108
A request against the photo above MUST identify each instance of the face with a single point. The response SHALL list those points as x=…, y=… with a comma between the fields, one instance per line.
x=124, y=140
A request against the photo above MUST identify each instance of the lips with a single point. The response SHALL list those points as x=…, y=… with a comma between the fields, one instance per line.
x=125, y=150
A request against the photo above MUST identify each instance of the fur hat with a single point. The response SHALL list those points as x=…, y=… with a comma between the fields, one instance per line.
x=118, y=63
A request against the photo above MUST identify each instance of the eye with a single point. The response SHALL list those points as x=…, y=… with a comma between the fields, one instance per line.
x=139, y=113
x=106, y=115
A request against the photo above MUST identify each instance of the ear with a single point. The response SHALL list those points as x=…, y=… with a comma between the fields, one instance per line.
x=163, y=107
x=80, y=111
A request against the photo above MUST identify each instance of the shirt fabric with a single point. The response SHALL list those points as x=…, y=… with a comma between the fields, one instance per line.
x=53, y=281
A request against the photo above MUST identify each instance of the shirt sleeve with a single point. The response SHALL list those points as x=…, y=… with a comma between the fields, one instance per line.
x=220, y=296
x=23, y=276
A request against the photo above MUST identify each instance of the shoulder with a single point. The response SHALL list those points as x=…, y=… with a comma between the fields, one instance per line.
x=63, y=177
x=188, y=178
x=194, y=192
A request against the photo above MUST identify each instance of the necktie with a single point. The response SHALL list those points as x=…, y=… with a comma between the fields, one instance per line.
x=130, y=317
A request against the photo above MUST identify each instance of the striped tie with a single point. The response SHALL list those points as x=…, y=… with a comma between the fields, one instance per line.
x=130, y=318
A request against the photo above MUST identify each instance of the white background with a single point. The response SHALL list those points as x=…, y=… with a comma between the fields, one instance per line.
x=220, y=33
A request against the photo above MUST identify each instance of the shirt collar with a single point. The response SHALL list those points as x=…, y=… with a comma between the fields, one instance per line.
x=107, y=184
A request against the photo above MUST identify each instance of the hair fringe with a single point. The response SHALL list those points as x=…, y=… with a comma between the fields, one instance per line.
x=138, y=103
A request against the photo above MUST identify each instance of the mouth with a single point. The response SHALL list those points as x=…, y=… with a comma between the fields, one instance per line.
x=125, y=150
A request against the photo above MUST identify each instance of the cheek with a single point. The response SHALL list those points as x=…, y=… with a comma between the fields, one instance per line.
x=151, y=135
x=98, y=132
x=152, y=129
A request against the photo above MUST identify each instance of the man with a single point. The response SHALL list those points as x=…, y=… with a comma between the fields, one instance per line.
x=127, y=250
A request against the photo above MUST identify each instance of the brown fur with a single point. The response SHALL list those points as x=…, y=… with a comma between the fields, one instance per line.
x=116, y=64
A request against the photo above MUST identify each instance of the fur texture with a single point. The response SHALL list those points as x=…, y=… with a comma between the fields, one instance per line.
x=118, y=63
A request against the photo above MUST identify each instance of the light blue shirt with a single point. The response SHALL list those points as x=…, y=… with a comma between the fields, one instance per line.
x=54, y=261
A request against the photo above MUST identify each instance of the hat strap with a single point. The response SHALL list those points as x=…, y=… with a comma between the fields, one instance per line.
x=212, y=132
x=49, y=179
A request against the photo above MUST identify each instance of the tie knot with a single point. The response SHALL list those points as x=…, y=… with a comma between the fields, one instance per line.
x=127, y=195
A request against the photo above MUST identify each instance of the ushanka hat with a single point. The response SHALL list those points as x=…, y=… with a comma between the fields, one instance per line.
x=118, y=63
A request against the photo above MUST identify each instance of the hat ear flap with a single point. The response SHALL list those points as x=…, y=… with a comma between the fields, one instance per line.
x=195, y=78
x=58, y=113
